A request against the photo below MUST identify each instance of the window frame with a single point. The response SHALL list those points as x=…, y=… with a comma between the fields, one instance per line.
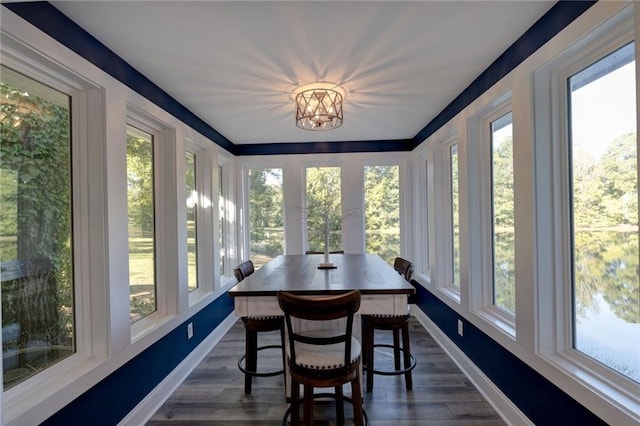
x=553, y=318
x=442, y=261
x=165, y=225
x=231, y=218
x=204, y=218
x=89, y=221
x=402, y=200
x=481, y=226
x=245, y=176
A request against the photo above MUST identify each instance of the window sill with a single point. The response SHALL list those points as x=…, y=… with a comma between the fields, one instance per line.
x=605, y=387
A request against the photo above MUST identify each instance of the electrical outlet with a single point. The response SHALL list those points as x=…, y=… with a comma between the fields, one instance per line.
x=460, y=327
x=189, y=330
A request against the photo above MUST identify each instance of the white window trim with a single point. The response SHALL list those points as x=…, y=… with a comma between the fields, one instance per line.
x=480, y=197
x=166, y=223
x=36, y=395
x=231, y=241
x=442, y=259
x=205, y=249
x=553, y=315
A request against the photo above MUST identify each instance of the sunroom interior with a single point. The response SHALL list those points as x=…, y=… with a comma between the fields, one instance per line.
x=515, y=197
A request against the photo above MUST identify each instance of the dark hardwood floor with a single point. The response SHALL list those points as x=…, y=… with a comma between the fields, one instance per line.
x=213, y=394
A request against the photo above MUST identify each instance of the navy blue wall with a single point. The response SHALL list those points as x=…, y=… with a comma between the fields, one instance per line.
x=109, y=401
x=539, y=399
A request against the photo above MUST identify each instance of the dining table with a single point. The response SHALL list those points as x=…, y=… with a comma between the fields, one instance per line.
x=383, y=290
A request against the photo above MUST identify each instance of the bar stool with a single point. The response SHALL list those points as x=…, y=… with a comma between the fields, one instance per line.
x=320, y=356
x=248, y=363
x=395, y=323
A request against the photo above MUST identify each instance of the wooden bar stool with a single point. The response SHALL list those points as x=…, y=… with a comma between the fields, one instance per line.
x=248, y=363
x=397, y=324
x=320, y=356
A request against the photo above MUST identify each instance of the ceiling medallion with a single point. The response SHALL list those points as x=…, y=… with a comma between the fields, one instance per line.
x=319, y=106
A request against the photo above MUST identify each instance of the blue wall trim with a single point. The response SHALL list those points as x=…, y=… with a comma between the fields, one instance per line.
x=539, y=399
x=109, y=401
x=551, y=23
x=53, y=22
x=324, y=147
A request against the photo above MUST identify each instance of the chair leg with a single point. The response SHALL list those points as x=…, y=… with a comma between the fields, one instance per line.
x=308, y=405
x=370, y=356
x=356, y=396
x=339, y=405
x=407, y=356
x=251, y=359
x=284, y=358
x=396, y=348
x=295, y=402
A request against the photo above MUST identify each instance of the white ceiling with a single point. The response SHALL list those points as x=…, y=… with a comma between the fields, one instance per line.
x=235, y=64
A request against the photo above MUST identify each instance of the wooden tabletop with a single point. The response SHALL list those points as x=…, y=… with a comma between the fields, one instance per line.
x=300, y=274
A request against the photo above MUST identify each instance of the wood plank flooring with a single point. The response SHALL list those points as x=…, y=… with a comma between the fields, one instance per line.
x=213, y=394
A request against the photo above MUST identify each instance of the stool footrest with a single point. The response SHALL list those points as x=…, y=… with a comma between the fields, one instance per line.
x=256, y=373
x=393, y=372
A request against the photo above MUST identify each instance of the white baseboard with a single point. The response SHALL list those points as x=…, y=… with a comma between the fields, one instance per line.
x=154, y=400
x=506, y=409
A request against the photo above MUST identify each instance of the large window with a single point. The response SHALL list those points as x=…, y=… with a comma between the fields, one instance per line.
x=266, y=224
x=604, y=214
x=36, y=252
x=192, y=220
x=382, y=211
x=503, y=213
x=141, y=223
x=323, y=211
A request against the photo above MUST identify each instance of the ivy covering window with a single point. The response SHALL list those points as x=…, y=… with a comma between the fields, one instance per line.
x=142, y=276
x=604, y=180
x=36, y=251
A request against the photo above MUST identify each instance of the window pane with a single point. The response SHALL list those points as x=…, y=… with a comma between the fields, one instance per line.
x=455, y=214
x=504, y=286
x=142, y=282
x=36, y=254
x=324, y=208
x=221, y=217
x=266, y=226
x=192, y=221
x=606, y=289
x=382, y=211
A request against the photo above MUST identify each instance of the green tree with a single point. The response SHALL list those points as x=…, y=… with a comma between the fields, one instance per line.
x=266, y=224
x=382, y=211
x=324, y=207
x=140, y=182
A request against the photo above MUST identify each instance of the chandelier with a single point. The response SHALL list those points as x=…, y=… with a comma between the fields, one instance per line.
x=319, y=106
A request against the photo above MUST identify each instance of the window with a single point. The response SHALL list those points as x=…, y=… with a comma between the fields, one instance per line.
x=222, y=237
x=192, y=220
x=36, y=250
x=501, y=131
x=455, y=215
x=324, y=208
x=141, y=223
x=604, y=212
x=266, y=226
x=382, y=211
